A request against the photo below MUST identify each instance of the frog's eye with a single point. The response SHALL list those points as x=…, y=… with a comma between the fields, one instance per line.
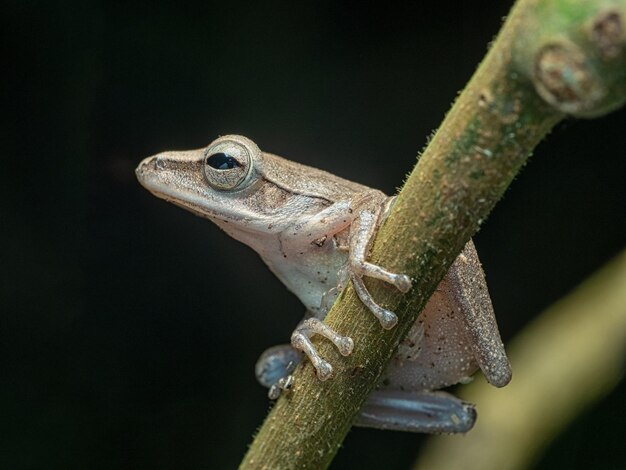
x=226, y=165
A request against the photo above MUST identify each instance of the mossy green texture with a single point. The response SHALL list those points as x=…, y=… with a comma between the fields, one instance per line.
x=483, y=142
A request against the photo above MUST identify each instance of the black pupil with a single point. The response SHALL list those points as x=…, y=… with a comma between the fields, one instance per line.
x=222, y=161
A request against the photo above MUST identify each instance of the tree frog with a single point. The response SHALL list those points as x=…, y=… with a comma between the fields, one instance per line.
x=314, y=231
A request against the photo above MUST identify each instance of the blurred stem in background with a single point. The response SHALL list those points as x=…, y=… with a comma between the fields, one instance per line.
x=568, y=358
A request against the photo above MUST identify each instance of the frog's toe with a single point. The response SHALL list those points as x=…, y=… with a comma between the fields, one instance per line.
x=388, y=319
x=283, y=384
x=345, y=346
x=300, y=339
x=274, y=392
x=403, y=283
x=323, y=369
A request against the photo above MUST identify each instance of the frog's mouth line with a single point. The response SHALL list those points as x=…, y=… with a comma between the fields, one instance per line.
x=194, y=203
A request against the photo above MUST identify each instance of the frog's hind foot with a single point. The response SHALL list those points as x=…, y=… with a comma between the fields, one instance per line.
x=274, y=367
x=301, y=340
x=364, y=229
x=284, y=384
x=425, y=412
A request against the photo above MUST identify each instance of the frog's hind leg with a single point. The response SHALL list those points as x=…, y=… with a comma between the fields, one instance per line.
x=362, y=234
x=469, y=289
x=301, y=340
x=425, y=412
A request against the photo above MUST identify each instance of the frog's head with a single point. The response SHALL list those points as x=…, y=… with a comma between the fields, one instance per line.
x=220, y=181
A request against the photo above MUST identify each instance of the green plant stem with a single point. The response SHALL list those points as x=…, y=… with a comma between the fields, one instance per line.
x=570, y=356
x=483, y=142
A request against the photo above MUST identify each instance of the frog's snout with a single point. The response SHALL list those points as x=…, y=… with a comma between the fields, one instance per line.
x=145, y=167
x=169, y=172
x=187, y=162
x=149, y=168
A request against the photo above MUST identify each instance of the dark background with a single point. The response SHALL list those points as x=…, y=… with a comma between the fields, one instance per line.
x=126, y=342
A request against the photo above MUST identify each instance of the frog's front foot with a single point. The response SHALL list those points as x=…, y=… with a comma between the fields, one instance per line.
x=361, y=237
x=361, y=240
x=301, y=340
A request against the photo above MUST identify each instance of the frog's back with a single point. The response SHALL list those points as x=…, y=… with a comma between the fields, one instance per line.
x=309, y=181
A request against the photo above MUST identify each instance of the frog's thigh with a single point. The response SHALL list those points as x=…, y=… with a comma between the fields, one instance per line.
x=437, y=352
x=469, y=289
x=427, y=412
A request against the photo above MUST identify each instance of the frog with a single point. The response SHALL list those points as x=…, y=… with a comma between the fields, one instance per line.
x=314, y=230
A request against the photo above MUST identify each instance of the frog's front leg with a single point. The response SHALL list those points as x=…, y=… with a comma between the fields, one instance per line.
x=362, y=216
x=319, y=227
x=362, y=235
